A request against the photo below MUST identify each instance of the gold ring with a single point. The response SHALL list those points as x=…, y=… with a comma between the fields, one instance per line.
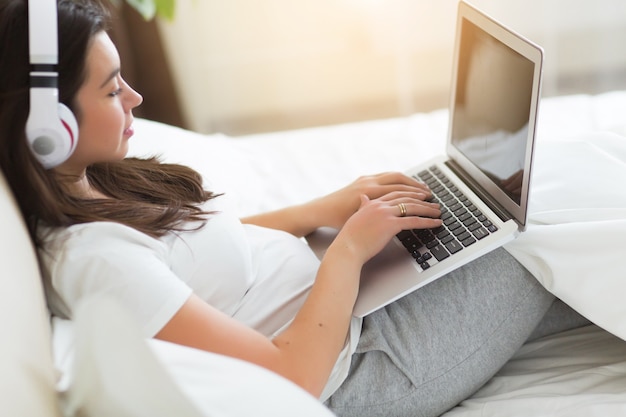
x=402, y=208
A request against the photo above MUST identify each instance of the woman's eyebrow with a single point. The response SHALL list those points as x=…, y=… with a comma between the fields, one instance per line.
x=113, y=74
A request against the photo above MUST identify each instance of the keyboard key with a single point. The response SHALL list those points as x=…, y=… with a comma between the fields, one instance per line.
x=404, y=234
x=432, y=244
x=480, y=233
x=438, y=230
x=447, y=197
x=458, y=231
x=439, y=252
x=469, y=222
x=450, y=220
x=453, y=226
x=474, y=226
x=460, y=211
x=463, y=217
x=454, y=246
x=468, y=241
x=447, y=239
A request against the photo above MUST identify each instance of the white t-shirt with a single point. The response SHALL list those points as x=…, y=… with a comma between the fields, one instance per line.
x=257, y=275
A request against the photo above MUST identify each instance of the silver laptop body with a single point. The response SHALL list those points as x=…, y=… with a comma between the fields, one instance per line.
x=495, y=92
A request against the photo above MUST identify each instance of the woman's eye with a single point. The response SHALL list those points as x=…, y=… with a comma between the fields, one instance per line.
x=116, y=92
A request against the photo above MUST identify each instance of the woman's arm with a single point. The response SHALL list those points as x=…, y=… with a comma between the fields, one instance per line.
x=334, y=209
x=307, y=350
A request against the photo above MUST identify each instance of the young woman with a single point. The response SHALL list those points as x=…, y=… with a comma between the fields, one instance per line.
x=147, y=234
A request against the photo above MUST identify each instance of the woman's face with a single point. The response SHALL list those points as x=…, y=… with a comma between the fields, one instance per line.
x=104, y=106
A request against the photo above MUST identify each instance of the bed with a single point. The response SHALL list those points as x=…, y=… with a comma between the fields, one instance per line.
x=574, y=246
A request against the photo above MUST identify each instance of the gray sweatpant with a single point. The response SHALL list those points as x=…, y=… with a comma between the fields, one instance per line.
x=428, y=351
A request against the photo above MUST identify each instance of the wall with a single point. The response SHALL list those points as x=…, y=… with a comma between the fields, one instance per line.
x=244, y=66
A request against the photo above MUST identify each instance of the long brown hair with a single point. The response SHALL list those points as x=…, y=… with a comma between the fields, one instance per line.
x=147, y=195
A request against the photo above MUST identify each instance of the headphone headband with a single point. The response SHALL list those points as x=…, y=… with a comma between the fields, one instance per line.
x=43, y=32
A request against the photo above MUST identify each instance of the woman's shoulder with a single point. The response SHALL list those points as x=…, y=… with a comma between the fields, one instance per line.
x=98, y=236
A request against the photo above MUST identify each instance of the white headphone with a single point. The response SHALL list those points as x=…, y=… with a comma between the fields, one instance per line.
x=51, y=129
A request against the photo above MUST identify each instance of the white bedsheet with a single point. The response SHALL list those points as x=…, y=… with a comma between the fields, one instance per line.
x=581, y=373
x=574, y=243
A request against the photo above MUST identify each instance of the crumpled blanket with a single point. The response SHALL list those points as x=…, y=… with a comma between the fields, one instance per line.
x=575, y=242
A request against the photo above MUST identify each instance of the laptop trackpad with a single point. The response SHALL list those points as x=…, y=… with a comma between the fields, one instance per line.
x=387, y=276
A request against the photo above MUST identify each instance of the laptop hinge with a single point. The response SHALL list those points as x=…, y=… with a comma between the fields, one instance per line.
x=496, y=207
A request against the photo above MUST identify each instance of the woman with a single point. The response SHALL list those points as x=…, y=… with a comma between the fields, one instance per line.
x=147, y=234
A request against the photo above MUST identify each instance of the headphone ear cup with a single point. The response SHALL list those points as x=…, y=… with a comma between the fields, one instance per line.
x=51, y=137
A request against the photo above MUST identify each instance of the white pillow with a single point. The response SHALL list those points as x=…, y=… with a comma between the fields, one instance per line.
x=114, y=372
x=27, y=378
x=223, y=386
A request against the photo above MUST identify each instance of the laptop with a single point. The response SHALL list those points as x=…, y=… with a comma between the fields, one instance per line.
x=482, y=183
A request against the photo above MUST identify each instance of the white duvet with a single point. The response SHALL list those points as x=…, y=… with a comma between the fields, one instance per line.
x=576, y=241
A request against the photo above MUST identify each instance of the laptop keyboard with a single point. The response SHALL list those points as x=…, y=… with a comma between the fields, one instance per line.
x=463, y=223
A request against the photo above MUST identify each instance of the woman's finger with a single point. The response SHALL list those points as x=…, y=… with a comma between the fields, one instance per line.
x=390, y=181
x=405, y=194
x=387, y=178
x=404, y=208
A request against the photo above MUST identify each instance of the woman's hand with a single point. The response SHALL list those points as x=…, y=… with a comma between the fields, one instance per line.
x=377, y=220
x=333, y=210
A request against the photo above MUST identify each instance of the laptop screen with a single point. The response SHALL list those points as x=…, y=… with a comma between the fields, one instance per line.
x=492, y=108
x=496, y=87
